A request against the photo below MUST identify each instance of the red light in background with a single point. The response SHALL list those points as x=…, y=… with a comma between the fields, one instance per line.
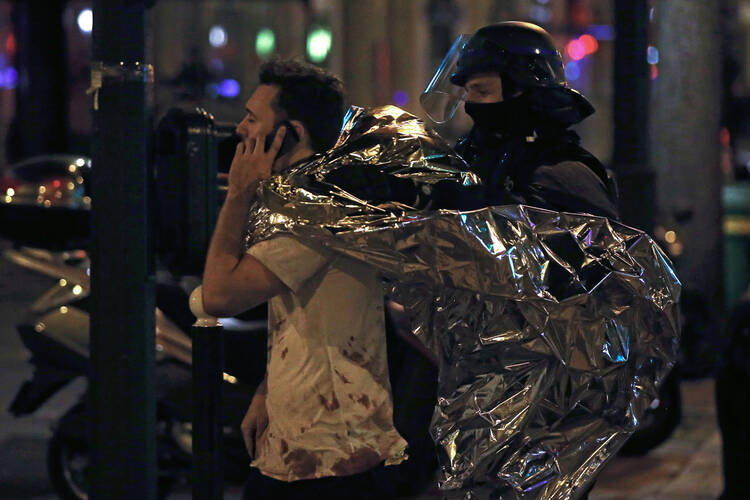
x=56, y=183
x=10, y=44
x=576, y=50
x=590, y=44
x=724, y=137
x=654, y=71
x=580, y=13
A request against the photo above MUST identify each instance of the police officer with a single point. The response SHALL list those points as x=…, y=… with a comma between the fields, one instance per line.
x=511, y=77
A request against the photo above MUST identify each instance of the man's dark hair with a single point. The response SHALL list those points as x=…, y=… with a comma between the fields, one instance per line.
x=309, y=94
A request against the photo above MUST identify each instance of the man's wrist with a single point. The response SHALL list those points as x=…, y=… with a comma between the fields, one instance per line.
x=262, y=389
x=247, y=194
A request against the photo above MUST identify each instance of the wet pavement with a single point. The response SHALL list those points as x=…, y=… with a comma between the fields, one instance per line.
x=685, y=467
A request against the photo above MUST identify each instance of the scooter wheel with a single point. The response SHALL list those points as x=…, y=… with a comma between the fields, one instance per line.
x=68, y=462
x=68, y=467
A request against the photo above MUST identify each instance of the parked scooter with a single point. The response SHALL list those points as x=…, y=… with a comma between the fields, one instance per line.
x=56, y=333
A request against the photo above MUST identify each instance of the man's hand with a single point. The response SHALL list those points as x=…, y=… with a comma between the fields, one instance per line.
x=251, y=164
x=232, y=280
x=254, y=423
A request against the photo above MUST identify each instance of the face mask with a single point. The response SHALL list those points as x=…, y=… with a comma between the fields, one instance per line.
x=509, y=117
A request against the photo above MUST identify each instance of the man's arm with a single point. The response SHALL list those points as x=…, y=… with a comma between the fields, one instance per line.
x=233, y=281
x=256, y=419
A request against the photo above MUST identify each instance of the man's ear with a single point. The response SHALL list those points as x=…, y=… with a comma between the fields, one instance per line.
x=299, y=128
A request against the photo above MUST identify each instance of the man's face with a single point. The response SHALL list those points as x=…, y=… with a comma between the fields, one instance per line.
x=260, y=117
x=484, y=88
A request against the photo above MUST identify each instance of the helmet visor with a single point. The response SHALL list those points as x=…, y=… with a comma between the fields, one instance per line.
x=441, y=98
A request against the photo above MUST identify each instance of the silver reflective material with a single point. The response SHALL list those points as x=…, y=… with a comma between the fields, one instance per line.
x=553, y=330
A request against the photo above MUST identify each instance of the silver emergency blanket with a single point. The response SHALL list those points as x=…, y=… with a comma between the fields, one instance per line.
x=552, y=330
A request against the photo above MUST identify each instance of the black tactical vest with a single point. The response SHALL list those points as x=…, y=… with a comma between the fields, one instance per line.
x=508, y=165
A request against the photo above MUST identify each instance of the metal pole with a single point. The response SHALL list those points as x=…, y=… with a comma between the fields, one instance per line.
x=122, y=400
x=208, y=366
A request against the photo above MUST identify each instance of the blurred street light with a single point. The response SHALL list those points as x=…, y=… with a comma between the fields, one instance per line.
x=86, y=21
x=318, y=44
x=265, y=42
x=217, y=37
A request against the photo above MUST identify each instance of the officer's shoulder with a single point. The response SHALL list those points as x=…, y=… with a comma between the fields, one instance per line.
x=573, y=186
x=566, y=171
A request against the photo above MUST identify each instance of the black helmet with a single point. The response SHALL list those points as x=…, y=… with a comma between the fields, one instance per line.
x=521, y=52
x=524, y=55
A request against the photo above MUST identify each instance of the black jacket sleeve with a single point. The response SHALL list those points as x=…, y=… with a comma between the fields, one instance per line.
x=570, y=186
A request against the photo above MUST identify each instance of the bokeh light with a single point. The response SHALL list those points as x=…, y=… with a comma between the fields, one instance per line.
x=228, y=88
x=217, y=37
x=10, y=44
x=400, y=98
x=8, y=78
x=590, y=45
x=602, y=32
x=265, y=42
x=86, y=21
x=216, y=65
x=572, y=71
x=576, y=50
x=318, y=44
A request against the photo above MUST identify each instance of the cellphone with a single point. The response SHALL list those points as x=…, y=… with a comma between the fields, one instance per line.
x=290, y=139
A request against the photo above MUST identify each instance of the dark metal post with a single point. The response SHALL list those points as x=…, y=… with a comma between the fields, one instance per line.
x=122, y=401
x=208, y=374
x=631, y=104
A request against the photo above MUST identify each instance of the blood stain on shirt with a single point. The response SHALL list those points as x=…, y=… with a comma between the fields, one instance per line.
x=302, y=462
x=284, y=446
x=330, y=406
x=364, y=400
x=283, y=353
x=383, y=417
x=360, y=460
x=342, y=377
x=353, y=356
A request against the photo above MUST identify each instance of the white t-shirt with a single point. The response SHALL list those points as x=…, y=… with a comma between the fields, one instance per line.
x=330, y=410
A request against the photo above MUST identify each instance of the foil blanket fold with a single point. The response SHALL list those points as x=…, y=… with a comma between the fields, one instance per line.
x=553, y=330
